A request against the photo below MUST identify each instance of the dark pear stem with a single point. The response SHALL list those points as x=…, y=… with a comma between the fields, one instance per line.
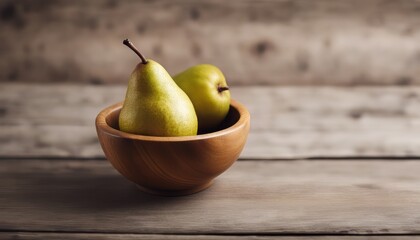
x=221, y=89
x=132, y=47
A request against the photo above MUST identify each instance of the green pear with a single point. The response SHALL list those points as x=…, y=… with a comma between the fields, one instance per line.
x=206, y=86
x=154, y=105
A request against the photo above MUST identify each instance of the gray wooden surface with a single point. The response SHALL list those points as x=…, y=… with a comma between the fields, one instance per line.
x=286, y=122
x=94, y=236
x=51, y=188
x=331, y=86
x=251, y=198
x=298, y=42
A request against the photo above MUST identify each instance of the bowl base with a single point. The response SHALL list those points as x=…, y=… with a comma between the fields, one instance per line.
x=174, y=193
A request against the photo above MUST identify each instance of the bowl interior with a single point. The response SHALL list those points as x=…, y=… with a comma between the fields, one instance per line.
x=231, y=118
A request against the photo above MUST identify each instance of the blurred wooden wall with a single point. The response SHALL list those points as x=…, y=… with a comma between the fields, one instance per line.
x=267, y=42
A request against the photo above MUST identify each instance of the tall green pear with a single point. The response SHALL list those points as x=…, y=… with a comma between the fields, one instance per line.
x=206, y=86
x=154, y=105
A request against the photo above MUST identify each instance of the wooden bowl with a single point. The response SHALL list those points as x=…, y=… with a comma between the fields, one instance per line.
x=173, y=165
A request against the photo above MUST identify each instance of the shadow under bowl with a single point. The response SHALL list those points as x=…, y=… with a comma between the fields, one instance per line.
x=173, y=166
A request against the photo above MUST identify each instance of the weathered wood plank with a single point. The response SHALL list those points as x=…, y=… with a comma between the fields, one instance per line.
x=99, y=236
x=271, y=197
x=266, y=42
x=286, y=122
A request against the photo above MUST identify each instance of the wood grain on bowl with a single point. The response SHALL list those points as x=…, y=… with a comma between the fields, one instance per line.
x=173, y=165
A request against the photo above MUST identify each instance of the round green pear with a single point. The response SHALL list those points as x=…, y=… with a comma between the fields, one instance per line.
x=154, y=105
x=206, y=86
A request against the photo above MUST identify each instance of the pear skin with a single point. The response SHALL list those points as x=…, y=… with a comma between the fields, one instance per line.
x=154, y=105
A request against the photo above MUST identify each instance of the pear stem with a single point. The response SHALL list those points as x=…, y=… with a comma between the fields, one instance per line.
x=221, y=89
x=132, y=47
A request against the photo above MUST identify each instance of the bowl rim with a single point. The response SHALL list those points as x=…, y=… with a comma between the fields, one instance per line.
x=101, y=124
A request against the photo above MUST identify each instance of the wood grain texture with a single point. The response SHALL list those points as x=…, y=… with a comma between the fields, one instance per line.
x=266, y=42
x=270, y=197
x=287, y=122
x=173, y=166
x=109, y=236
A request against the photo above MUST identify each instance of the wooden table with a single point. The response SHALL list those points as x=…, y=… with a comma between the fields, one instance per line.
x=320, y=163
